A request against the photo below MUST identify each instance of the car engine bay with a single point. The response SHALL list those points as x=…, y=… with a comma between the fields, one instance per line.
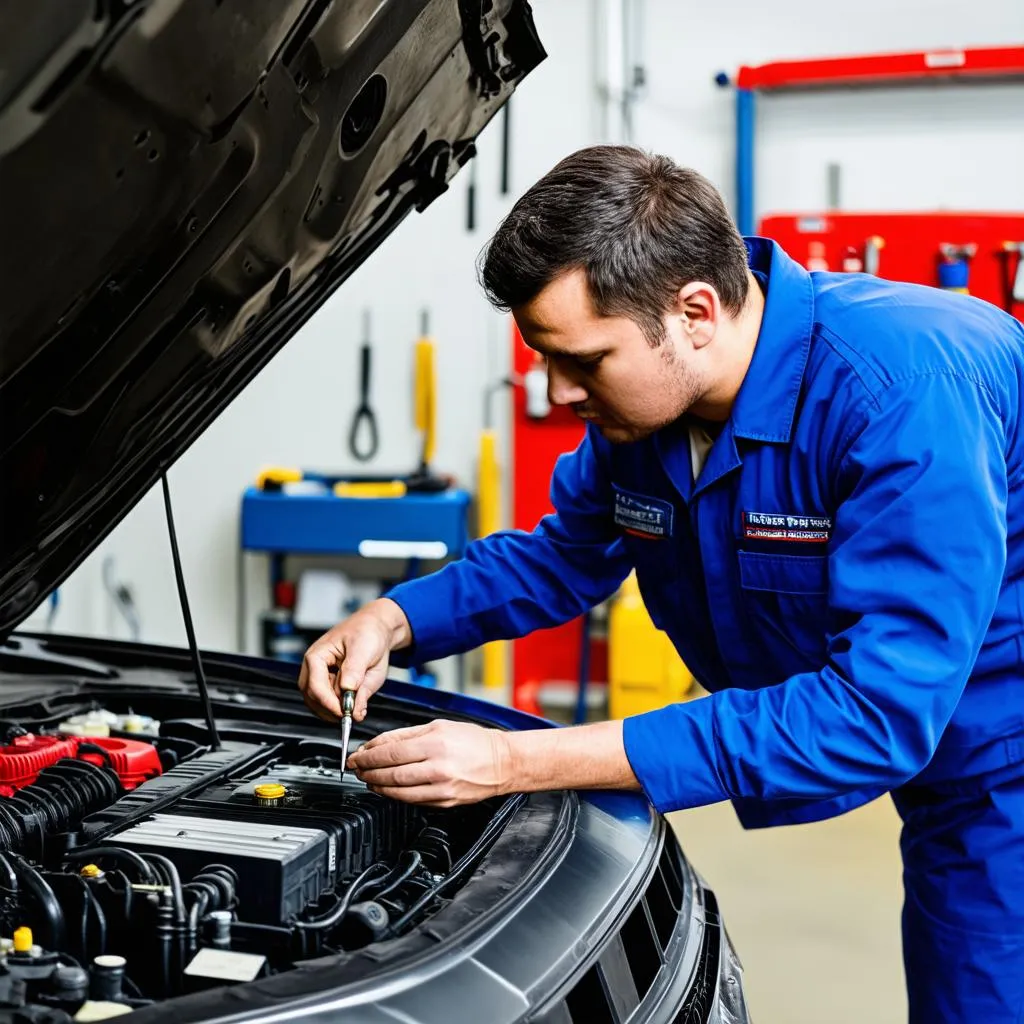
x=139, y=863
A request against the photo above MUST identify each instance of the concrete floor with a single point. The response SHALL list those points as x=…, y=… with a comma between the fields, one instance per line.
x=813, y=911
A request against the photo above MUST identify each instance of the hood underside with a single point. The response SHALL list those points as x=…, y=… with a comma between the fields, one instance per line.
x=184, y=182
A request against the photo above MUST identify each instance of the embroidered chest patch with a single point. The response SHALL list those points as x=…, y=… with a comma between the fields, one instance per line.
x=798, y=529
x=643, y=516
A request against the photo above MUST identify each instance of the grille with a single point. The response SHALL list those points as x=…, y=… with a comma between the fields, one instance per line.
x=610, y=991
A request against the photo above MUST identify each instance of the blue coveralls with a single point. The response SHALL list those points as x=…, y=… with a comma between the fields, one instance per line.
x=845, y=577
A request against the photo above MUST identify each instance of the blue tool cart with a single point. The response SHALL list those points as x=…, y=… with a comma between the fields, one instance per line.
x=306, y=519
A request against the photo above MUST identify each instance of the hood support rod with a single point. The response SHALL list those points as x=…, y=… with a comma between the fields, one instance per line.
x=197, y=661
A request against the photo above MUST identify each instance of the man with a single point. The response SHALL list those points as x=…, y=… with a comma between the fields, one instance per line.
x=817, y=478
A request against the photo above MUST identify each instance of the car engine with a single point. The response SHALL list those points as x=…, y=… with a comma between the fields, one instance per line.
x=137, y=864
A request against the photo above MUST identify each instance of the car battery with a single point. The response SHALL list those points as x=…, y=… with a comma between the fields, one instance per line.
x=281, y=868
x=362, y=827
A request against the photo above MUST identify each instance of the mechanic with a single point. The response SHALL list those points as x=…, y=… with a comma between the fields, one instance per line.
x=817, y=478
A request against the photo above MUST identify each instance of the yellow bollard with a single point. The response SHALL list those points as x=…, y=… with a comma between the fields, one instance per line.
x=644, y=670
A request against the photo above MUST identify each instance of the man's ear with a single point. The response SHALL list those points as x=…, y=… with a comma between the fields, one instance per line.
x=699, y=310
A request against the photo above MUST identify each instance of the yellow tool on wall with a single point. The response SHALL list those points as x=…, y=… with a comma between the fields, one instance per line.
x=644, y=670
x=425, y=393
x=489, y=515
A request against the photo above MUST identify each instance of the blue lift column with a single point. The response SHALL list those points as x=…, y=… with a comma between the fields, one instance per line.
x=745, y=111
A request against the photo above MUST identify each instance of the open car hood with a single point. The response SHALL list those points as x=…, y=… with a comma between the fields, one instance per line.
x=182, y=184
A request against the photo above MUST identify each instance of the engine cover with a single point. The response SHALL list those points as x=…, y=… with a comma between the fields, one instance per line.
x=281, y=868
x=362, y=827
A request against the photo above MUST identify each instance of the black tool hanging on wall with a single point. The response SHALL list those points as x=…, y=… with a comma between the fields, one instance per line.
x=364, y=413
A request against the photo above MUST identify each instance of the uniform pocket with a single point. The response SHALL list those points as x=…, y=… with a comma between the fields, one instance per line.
x=786, y=599
x=784, y=574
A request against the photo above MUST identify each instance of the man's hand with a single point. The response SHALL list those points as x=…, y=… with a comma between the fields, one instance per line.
x=358, y=649
x=450, y=763
x=443, y=764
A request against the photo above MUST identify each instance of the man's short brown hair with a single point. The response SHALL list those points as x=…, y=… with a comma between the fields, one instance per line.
x=639, y=225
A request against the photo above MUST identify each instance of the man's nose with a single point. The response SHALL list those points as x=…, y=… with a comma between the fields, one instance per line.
x=562, y=389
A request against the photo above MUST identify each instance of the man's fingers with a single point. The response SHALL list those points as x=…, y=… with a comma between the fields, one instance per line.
x=405, y=775
x=388, y=755
x=435, y=794
x=374, y=679
x=318, y=688
x=398, y=735
x=360, y=652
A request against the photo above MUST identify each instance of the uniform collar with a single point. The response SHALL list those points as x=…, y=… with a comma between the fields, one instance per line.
x=766, y=403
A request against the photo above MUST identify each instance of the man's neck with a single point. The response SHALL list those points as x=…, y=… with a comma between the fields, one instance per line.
x=737, y=337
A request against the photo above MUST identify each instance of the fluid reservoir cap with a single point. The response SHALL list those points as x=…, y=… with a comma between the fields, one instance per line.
x=91, y=871
x=23, y=940
x=110, y=961
x=269, y=792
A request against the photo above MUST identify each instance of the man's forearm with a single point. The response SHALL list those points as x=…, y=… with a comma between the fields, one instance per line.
x=583, y=757
x=394, y=619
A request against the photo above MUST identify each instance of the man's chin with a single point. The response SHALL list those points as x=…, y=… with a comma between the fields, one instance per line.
x=616, y=433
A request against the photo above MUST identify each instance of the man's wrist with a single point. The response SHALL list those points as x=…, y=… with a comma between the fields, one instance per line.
x=581, y=757
x=395, y=621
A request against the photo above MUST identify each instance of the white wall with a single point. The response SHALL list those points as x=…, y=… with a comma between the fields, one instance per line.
x=958, y=147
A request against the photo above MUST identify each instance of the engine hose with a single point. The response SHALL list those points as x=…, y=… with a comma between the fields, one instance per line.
x=9, y=875
x=415, y=863
x=101, y=919
x=197, y=907
x=362, y=882
x=222, y=869
x=95, y=748
x=170, y=874
x=225, y=888
x=48, y=902
x=62, y=794
x=169, y=871
x=464, y=864
x=148, y=875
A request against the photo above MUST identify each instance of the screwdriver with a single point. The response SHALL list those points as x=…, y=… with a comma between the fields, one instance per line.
x=348, y=703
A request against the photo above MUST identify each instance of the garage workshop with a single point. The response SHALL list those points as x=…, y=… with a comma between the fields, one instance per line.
x=511, y=513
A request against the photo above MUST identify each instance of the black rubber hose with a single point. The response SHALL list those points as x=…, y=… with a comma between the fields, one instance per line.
x=101, y=918
x=9, y=875
x=224, y=888
x=222, y=869
x=167, y=868
x=372, y=874
x=47, y=898
x=116, y=853
x=197, y=907
x=464, y=864
x=169, y=871
x=415, y=863
x=95, y=748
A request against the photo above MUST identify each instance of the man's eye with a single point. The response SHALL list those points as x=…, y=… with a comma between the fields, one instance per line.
x=590, y=364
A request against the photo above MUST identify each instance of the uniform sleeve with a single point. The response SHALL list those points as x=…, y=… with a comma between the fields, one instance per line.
x=915, y=568
x=512, y=582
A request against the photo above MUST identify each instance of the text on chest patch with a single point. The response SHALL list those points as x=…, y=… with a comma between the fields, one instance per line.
x=643, y=516
x=776, y=526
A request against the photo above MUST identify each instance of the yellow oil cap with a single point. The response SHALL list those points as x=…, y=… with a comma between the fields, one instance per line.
x=90, y=871
x=23, y=940
x=269, y=793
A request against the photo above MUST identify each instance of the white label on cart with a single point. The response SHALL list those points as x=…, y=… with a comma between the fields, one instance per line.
x=948, y=59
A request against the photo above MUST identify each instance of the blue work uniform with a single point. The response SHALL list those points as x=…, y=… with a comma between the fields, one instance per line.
x=844, y=576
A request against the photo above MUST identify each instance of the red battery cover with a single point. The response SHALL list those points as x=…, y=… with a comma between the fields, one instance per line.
x=26, y=756
x=132, y=760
